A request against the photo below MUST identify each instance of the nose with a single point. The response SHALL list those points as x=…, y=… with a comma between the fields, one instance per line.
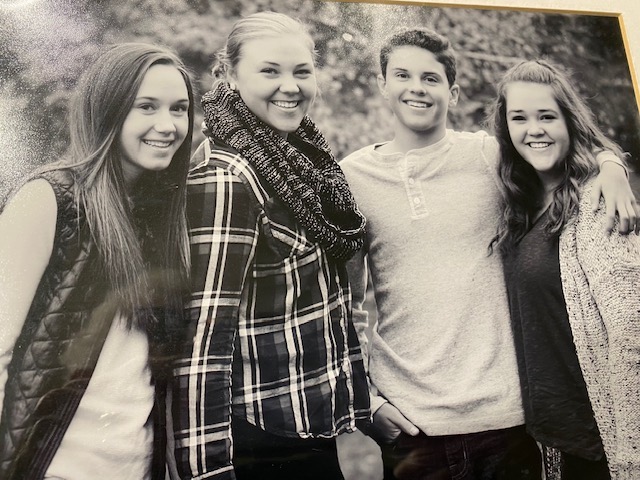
x=289, y=85
x=534, y=128
x=164, y=122
x=417, y=86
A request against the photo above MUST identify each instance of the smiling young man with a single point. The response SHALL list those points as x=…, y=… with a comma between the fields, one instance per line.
x=441, y=360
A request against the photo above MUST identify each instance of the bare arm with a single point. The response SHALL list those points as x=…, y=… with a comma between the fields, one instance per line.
x=613, y=184
x=27, y=229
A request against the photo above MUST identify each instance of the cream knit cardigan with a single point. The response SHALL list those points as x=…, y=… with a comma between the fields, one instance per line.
x=601, y=284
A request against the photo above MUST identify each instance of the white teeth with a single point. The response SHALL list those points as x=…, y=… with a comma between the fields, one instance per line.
x=156, y=143
x=411, y=103
x=539, y=144
x=285, y=104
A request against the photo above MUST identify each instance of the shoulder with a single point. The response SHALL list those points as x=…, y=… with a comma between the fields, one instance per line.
x=480, y=136
x=219, y=167
x=480, y=139
x=357, y=161
x=588, y=229
x=36, y=194
x=359, y=156
x=33, y=208
x=53, y=188
x=61, y=180
x=586, y=217
x=479, y=145
x=210, y=156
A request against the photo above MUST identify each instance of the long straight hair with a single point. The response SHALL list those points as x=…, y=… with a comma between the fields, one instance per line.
x=141, y=235
x=522, y=189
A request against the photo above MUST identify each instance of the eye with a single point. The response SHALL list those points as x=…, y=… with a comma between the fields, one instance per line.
x=401, y=75
x=146, y=107
x=269, y=71
x=432, y=79
x=517, y=118
x=304, y=72
x=180, y=108
x=548, y=117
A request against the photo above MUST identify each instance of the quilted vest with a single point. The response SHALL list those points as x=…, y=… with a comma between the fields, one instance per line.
x=58, y=348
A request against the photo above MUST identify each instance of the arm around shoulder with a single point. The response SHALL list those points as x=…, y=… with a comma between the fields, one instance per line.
x=613, y=184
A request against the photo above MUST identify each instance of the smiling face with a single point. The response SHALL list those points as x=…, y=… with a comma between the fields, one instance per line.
x=157, y=123
x=418, y=92
x=537, y=128
x=275, y=77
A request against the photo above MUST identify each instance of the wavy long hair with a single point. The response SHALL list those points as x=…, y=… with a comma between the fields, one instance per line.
x=522, y=190
x=140, y=234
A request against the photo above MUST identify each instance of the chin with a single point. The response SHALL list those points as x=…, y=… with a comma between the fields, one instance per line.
x=159, y=167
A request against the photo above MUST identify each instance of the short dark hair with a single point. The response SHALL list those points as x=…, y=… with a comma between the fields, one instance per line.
x=422, y=38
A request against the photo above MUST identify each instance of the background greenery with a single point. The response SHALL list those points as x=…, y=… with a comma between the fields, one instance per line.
x=46, y=44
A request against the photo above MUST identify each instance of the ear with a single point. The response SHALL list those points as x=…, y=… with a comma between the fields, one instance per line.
x=454, y=94
x=382, y=85
x=231, y=79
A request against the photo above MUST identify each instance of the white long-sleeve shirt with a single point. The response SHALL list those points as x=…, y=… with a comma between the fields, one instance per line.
x=442, y=351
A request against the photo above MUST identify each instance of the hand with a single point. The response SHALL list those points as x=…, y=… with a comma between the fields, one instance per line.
x=613, y=185
x=389, y=423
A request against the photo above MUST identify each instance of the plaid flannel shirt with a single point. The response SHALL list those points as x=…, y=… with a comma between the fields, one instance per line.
x=269, y=324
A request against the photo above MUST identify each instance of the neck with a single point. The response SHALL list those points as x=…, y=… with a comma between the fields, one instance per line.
x=406, y=139
x=130, y=183
x=548, y=189
x=549, y=181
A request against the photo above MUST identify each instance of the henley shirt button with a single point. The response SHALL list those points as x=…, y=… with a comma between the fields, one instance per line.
x=411, y=181
x=416, y=201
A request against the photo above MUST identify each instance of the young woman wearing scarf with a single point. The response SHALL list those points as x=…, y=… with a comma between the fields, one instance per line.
x=272, y=370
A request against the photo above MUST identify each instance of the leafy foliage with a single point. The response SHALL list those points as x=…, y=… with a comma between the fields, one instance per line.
x=44, y=49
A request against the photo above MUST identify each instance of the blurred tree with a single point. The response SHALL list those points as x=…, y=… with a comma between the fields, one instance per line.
x=44, y=49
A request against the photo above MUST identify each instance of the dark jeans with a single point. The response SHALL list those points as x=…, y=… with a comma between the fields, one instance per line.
x=508, y=454
x=259, y=455
x=576, y=468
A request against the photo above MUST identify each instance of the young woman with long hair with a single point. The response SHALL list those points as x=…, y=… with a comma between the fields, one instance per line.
x=573, y=290
x=93, y=255
x=273, y=372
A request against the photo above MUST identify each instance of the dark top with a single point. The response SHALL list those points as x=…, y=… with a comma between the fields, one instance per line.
x=58, y=347
x=556, y=404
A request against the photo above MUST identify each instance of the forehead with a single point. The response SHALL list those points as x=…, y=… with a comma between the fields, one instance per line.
x=162, y=80
x=530, y=96
x=277, y=49
x=410, y=57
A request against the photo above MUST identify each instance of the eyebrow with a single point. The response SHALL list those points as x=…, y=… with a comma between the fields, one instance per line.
x=303, y=64
x=181, y=100
x=513, y=110
x=422, y=73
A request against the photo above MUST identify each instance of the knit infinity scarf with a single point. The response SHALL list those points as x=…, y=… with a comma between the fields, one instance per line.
x=311, y=184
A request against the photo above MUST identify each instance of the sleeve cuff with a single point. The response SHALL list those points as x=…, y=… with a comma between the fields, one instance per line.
x=376, y=400
x=607, y=156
